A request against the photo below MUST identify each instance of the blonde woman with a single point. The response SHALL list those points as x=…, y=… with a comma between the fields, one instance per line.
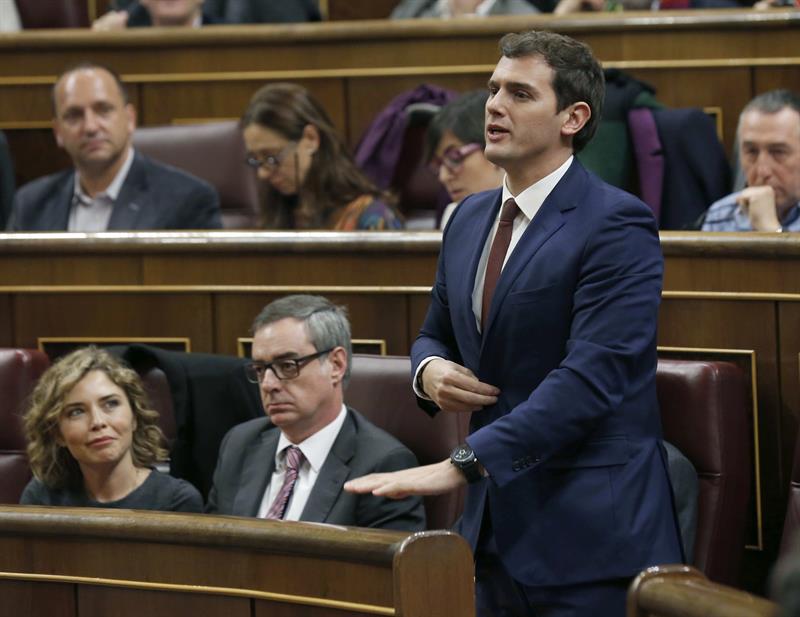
x=93, y=441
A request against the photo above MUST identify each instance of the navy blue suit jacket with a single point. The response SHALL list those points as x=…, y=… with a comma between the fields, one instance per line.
x=153, y=196
x=578, y=488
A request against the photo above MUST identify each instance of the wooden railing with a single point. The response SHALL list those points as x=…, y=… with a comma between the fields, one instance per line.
x=80, y=562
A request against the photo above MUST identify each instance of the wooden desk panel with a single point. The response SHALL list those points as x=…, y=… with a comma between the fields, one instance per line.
x=33, y=599
x=103, y=601
x=200, y=564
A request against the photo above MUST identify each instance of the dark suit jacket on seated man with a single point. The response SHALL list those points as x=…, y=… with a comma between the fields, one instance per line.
x=301, y=357
x=568, y=496
x=111, y=186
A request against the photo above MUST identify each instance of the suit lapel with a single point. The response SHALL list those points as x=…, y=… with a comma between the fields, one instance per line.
x=258, y=467
x=546, y=222
x=333, y=475
x=62, y=204
x=133, y=198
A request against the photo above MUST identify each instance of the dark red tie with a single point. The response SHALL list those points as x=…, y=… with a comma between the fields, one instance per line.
x=497, y=255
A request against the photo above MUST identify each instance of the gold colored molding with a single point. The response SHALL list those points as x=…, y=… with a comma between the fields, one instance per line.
x=222, y=289
x=344, y=289
x=113, y=340
x=729, y=295
x=244, y=342
x=371, y=609
x=402, y=71
x=720, y=353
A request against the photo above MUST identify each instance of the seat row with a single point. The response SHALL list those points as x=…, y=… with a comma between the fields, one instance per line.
x=704, y=409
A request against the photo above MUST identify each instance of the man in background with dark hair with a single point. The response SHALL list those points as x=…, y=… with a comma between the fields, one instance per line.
x=542, y=325
x=111, y=185
x=769, y=149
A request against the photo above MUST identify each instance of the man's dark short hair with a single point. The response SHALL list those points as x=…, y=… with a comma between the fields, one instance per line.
x=86, y=66
x=326, y=323
x=577, y=75
x=773, y=101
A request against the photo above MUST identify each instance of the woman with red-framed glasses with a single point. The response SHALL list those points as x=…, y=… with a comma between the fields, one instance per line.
x=455, y=142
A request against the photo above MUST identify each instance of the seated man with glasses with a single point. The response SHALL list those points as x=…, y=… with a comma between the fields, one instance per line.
x=455, y=143
x=293, y=463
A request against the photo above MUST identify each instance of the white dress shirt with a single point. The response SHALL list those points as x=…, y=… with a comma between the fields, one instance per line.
x=93, y=213
x=315, y=449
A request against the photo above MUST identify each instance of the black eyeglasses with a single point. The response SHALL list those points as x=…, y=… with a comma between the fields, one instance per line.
x=285, y=369
x=271, y=162
x=453, y=158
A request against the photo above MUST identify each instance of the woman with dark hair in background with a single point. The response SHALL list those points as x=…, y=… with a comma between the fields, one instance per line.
x=93, y=440
x=455, y=141
x=310, y=178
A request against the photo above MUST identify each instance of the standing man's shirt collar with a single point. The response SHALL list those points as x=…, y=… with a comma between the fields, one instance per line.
x=532, y=198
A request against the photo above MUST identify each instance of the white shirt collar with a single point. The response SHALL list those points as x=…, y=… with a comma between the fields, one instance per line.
x=113, y=189
x=532, y=198
x=316, y=447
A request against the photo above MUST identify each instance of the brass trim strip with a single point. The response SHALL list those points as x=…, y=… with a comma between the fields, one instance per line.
x=401, y=71
x=352, y=289
x=222, y=289
x=757, y=452
x=87, y=340
x=242, y=341
x=729, y=295
x=372, y=609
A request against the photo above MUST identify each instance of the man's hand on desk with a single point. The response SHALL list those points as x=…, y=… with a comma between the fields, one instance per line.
x=427, y=480
x=455, y=388
x=759, y=204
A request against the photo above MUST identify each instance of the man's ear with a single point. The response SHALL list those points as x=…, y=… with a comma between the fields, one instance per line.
x=338, y=361
x=311, y=138
x=57, y=133
x=130, y=110
x=575, y=118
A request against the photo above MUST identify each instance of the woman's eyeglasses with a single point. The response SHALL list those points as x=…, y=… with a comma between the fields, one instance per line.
x=271, y=162
x=453, y=158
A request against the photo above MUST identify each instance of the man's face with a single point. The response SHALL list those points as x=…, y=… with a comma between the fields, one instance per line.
x=523, y=129
x=769, y=146
x=173, y=12
x=305, y=404
x=93, y=123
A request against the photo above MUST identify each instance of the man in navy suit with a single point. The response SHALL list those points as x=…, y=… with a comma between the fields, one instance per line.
x=568, y=496
x=111, y=186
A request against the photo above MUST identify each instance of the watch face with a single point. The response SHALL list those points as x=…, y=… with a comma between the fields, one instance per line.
x=463, y=454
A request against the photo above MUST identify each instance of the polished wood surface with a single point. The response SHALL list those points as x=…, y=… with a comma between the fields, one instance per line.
x=694, y=58
x=682, y=591
x=183, y=564
x=729, y=296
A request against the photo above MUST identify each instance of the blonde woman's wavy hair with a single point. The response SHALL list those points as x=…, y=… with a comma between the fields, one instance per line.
x=51, y=462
